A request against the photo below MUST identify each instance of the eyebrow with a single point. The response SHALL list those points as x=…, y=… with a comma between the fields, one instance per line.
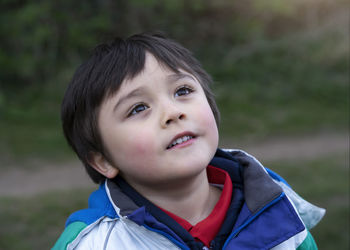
x=173, y=78
x=179, y=76
x=134, y=93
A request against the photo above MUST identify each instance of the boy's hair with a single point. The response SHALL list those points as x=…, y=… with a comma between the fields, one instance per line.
x=101, y=76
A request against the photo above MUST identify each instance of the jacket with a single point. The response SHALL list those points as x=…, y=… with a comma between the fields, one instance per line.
x=265, y=213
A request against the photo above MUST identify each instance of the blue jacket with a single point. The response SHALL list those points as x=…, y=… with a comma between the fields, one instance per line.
x=265, y=213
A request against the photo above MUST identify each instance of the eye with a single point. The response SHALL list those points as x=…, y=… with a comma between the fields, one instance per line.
x=137, y=109
x=183, y=91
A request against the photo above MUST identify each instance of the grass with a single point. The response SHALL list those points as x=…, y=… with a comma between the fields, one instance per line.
x=36, y=223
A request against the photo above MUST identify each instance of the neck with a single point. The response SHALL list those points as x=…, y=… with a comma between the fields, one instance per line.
x=192, y=200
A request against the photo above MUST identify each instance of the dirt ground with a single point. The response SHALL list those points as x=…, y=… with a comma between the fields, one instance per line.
x=50, y=177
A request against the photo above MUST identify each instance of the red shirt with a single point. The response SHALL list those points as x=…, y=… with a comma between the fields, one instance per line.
x=206, y=230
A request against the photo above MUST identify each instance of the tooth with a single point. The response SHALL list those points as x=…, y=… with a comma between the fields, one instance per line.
x=180, y=140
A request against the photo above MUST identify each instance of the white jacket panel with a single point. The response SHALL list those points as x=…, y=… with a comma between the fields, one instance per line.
x=127, y=234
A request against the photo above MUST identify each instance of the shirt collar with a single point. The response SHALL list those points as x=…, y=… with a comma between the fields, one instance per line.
x=206, y=230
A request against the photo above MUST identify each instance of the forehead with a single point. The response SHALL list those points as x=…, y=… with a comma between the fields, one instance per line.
x=154, y=70
x=151, y=68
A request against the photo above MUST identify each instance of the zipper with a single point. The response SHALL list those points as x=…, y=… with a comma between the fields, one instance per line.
x=239, y=229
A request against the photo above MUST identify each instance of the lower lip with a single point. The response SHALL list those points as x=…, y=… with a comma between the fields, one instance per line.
x=183, y=144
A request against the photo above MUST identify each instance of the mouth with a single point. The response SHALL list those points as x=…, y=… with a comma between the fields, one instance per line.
x=181, y=139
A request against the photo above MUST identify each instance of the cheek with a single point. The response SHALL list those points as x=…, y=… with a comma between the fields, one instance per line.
x=132, y=152
x=139, y=156
x=208, y=122
x=142, y=144
x=138, y=145
x=207, y=117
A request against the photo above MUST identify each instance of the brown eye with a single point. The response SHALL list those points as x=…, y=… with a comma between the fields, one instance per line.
x=184, y=90
x=137, y=109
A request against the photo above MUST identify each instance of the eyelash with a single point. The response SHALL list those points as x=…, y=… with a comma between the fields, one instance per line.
x=135, y=109
x=188, y=90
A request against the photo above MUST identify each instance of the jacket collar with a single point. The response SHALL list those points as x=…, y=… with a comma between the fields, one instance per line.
x=244, y=170
x=259, y=188
x=251, y=183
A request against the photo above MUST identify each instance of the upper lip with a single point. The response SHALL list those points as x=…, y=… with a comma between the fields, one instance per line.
x=180, y=135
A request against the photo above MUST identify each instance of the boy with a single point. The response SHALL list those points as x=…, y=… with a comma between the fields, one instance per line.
x=141, y=117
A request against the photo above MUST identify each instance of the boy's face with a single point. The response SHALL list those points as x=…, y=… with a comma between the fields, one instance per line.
x=141, y=123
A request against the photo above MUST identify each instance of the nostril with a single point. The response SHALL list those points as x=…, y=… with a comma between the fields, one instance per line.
x=174, y=118
x=168, y=122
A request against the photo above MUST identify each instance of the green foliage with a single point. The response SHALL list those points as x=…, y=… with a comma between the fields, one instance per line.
x=30, y=125
x=41, y=38
x=295, y=85
x=276, y=7
x=279, y=81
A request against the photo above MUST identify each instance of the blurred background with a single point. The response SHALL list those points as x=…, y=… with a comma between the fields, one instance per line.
x=281, y=73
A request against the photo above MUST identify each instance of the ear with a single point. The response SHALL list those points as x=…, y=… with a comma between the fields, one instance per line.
x=102, y=165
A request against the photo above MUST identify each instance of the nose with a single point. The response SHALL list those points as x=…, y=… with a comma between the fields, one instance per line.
x=171, y=114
